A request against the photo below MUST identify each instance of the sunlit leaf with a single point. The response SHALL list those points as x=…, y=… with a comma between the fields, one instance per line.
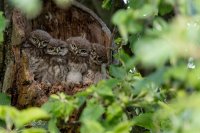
x=89, y=126
x=31, y=8
x=124, y=127
x=28, y=115
x=34, y=130
x=93, y=111
x=52, y=126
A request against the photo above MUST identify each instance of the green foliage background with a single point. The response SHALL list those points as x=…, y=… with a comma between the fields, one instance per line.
x=163, y=36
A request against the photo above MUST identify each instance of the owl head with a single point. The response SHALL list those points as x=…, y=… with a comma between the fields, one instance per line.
x=98, y=54
x=79, y=46
x=39, y=38
x=57, y=47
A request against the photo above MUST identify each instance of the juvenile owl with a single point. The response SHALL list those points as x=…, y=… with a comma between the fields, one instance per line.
x=34, y=48
x=79, y=48
x=55, y=67
x=97, y=58
x=36, y=42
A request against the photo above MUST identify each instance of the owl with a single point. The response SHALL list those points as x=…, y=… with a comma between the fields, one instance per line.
x=34, y=48
x=36, y=42
x=79, y=48
x=54, y=69
x=97, y=58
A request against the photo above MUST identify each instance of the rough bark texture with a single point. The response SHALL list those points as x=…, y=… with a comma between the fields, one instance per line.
x=59, y=23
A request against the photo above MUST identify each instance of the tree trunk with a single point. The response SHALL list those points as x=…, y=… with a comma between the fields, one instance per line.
x=59, y=23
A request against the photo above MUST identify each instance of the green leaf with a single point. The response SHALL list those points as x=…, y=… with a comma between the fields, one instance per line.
x=114, y=113
x=136, y=4
x=3, y=23
x=52, y=126
x=31, y=8
x=104, y=87
x=107, y=4
x=123, y=127
x=34, y=130
x=91, y=126
x=144, y=120
x=63, y=3
x=2, y=124
x=8, y=112
x=117, y=72
x=165, y=8
x=4, y=99
x=28, y=115
x=146, y=11
x=122, y=56
x=93, y=111
x=154, y=52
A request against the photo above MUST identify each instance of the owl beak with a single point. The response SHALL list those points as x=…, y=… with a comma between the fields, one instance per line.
x=39, y=45
x=57, y=50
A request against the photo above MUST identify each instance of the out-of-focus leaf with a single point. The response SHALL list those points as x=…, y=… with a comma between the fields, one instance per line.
x=4, y=99
x=124, y=127
x=144, y=120
x=52, y=126
x=159, y=24
x=181, y=114
x=31, y=8
x=120, y=19
x=146, y=11
x=63, y=3
x=114, y=113
x=135, y=4
x=28, y=115
x=165, y=8
x=154, y=52
x=34, y=130
x=8, y=112
x=89, y=126
x=122, y=56
x=60, y=106
x=107, y=4
x=117, y=72
x=2, y=124
x=2, y=26
x=93, y=111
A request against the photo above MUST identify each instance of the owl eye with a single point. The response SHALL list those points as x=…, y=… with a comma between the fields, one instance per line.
x=51, y=49
x=61, y=47
x=73, y=45
x=99, y=58
x=83, y=51
x=44, y=43
x=34, y=39
x=93, y=52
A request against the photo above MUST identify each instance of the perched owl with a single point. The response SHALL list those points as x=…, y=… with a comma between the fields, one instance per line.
x=38, y=39
x=34, y=48
x=55, y=69
x=97, y=58
x=79, y=48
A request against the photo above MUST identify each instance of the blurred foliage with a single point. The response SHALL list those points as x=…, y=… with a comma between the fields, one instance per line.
x=163, y=36
x=2, y=26
x=31, y=8
x=4, y=99
x=63, y=3
x=15, y=120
